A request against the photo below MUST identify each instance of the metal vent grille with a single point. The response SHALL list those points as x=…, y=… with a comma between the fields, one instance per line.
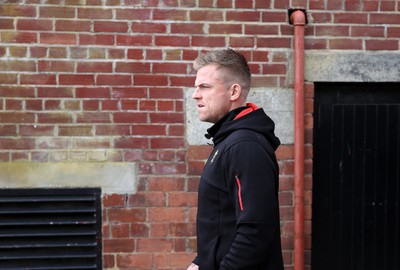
x=50, y=229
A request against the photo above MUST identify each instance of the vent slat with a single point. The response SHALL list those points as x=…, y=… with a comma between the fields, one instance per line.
x=50, y=229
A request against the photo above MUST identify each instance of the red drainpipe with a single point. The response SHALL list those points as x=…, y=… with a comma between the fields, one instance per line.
x=298, y=19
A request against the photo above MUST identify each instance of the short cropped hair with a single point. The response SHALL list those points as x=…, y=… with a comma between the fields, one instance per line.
x=232, y=62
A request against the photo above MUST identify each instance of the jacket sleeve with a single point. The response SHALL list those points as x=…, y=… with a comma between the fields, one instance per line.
x=251, y=177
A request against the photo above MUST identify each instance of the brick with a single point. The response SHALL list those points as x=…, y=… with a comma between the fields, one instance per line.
x=345, y=43
x=139, y=230
x=131, y=143
x=165, y=105
x=114, y=80
x=36, y=25
x=34, y=130
x=13, y=105
x=110, y=105
x=187, y=28
x=382, y=44
x=18, y=52
x=120, y=230
x=126, y=215
x=136, y=54
x=133, y=14
x=206, y=15
x=16, y=65
x=335, y=30
x=17, y=10
x=55, y=117
x=208, y=41
x=174, y=41
x=18, y=37
x=38, y=79
x=98, y=39
x=94, y=13
x=72, y=25
x=55, y=92
x=16, y=117
x=279, y=69
x=183, y=229
x=274, y=16
x=129, y=105
x=241, y=42
x=261, y=29
x=367, y=31
x=170, y=14
x=56, y=12
x=128, y=92
x=148, y=199
x=154, y=54
x=169, y=168
x=74, y=79
x=150, y=80
x=57, y=38
x=243, y=16
x=118, y=245
x=166, y=93
x=75, y=131
x=6, y=23
x=91, y=143
x=371, y=5
x=271, y=42
x=182, y=199
x=11, y=91
x=146, y=27
x=132, y=67
x=166, y=117
x=124, y=40
x=117, y=54
x=149, y=130
x=57, y=52
x=147, y=105
x=56, y=66
x=88, y=117
x=262, y=4
x=169, y=68
x=384, y=18
x=113, y=27
x=165, y=183
x=350, y=17
x=162, y=142
x=94, y=67
x=8, y=130
x=20, y=156
x=127, y=117
x=92, y=92
x=17, y=144
x=154, y=245
x=393, y=32
x=52, y=105
x=158, y=214
x=135, y=261
x=316, y=43
x=108, y=130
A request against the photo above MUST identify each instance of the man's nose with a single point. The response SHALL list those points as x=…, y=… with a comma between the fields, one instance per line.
x=195, y=94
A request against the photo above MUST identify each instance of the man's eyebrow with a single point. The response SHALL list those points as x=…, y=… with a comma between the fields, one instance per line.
x=202, y=85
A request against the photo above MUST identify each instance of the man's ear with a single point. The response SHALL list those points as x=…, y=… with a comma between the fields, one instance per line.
x=236, y=91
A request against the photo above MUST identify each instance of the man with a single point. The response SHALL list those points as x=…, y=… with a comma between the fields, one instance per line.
x=238, y=212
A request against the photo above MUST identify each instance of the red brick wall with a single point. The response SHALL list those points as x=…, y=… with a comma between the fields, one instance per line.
x=105, y=81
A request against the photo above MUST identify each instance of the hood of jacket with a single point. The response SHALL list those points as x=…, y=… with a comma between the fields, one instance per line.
x=248, y=117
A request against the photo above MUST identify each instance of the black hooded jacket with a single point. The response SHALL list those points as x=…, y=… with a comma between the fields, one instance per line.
x=238, y=212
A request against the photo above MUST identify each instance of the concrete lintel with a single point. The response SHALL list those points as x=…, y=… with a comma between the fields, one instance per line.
x=350, y=66
x=111, y=177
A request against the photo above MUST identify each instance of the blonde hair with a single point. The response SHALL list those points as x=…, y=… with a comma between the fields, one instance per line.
x=234, y=65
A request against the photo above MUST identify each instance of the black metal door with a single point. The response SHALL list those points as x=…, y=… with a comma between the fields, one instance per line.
x=356, y=181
